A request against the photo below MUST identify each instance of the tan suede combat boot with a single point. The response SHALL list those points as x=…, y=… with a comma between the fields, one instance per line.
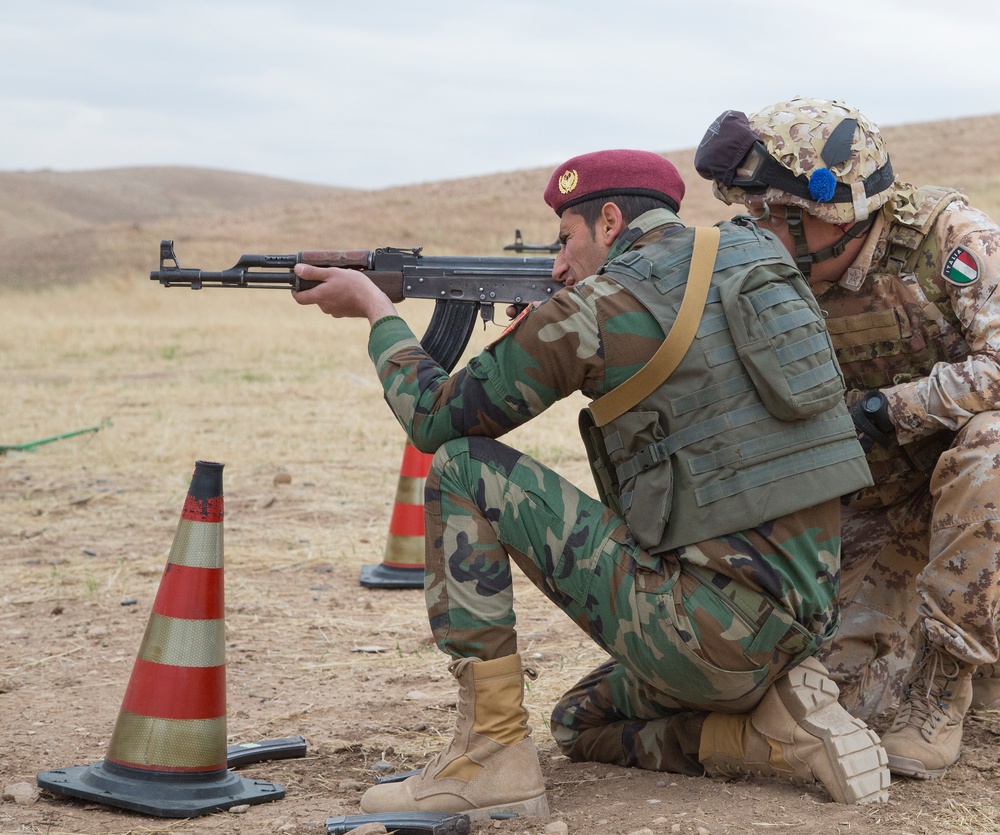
x=926, y=736
x=799, y=732
x=986, y=687
x=490, y=766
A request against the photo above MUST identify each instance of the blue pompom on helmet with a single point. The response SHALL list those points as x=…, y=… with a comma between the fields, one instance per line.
x=822, y=185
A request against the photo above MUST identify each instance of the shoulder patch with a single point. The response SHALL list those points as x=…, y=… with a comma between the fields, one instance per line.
x=961, y=267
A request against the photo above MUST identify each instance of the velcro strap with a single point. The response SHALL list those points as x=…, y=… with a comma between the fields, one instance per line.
x=789, y=321
x=864, y=329
x=799, y=383
x=711, y=394
x=809, y=431
x=801, y=462
x=662, y=450
x=803, y=348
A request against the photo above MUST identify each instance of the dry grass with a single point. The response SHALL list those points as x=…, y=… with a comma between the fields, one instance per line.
x=254, y=381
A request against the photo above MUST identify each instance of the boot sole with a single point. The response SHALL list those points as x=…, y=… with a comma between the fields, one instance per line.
x=908, y=767
x=535, y=807
x=860, y=762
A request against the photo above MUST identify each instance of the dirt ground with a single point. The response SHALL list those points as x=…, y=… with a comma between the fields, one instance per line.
x=86, y=524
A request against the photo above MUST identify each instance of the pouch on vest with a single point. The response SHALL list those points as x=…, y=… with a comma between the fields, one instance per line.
x=781, y=339
x=640, y=488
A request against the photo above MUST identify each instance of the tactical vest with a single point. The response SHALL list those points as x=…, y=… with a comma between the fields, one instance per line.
x=894, y=329
x=751, y=425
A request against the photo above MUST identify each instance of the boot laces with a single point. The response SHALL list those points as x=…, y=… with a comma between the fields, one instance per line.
x=927, y=697
x=457, y=668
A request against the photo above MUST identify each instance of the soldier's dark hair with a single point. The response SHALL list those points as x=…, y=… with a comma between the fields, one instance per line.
x=631, y=205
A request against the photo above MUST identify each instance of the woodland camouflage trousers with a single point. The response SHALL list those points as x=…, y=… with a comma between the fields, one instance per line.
x=931, y=558
x=678, y=645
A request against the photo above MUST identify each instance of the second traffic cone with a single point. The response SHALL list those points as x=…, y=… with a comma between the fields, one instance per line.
x=168, y=754
x=402, y=564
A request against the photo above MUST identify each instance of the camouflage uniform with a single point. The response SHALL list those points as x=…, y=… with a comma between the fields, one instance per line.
x=916, y=317
x=677, y=646
x=924, y=541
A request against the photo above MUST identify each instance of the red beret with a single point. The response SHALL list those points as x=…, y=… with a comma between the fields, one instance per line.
x=604, y=173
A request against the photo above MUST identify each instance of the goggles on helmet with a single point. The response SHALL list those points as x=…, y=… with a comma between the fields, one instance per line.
x=732, y=155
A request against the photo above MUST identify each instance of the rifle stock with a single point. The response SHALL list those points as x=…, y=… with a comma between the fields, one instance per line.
x=462, y=287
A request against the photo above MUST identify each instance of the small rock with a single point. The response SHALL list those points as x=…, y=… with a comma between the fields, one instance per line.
x=382, y=767
x=282, y=478
x=23, y=794
x=557, y=828
x=351, y=785
x=644, y=831
x=241, y=809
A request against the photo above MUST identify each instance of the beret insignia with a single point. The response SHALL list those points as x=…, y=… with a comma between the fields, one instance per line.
x=568, y=181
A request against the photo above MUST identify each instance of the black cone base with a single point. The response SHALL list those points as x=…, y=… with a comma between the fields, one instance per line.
x=165, y=795
x=387, y=577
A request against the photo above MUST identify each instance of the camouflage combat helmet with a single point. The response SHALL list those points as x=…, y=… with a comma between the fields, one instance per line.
x=831, y=161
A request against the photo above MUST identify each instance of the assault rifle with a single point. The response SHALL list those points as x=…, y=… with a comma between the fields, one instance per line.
x=460, y=286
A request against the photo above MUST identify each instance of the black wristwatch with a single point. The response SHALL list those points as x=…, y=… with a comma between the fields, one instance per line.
x=875, y=406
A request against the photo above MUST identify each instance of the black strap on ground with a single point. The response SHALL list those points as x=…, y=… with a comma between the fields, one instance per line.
x=285, y=748
x=404, y=823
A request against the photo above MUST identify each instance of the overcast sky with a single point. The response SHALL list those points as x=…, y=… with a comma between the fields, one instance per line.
x=388, y=92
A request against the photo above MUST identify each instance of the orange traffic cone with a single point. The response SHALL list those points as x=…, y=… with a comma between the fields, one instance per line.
x=402, y=564
x=168, y=754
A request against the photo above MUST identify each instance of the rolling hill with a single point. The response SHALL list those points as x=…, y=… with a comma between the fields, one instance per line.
x=80, y=227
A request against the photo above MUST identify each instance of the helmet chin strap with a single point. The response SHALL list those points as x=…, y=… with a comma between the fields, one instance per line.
x=804, y=259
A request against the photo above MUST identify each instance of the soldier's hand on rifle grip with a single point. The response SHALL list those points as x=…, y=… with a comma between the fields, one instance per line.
x=515, y=310
x=343, y=293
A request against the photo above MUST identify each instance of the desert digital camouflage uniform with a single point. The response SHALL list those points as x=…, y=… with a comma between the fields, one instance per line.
x=918, y=315
x=676, y=648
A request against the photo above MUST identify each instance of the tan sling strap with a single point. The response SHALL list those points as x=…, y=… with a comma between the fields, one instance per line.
x=669, y=355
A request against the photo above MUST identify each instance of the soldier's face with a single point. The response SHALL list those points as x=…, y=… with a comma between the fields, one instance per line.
x=582, y=249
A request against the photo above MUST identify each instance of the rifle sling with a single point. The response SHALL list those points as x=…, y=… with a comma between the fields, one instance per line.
x=669, y=355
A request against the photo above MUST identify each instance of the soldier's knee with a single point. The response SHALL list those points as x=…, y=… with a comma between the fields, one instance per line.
x=566, y=740
x=483, y=451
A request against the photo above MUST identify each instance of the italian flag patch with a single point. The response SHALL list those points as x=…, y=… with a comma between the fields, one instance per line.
x=961, y=267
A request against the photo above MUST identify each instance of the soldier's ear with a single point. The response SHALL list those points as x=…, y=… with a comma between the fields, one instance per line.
x=610, y=224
